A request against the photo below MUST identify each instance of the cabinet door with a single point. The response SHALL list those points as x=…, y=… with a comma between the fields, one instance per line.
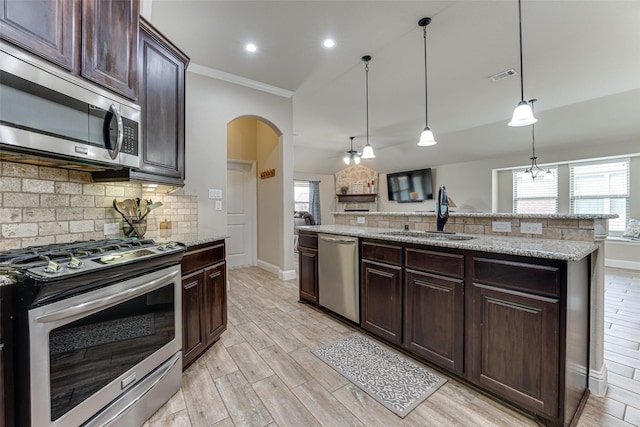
x=110, y=44
x=192, y=334
x=516, y=345
x=308, y=280
x=214, y=302
x=2, y=416
x=382, y=300
x=46, y=28
x=161, y=97
x=434, y=318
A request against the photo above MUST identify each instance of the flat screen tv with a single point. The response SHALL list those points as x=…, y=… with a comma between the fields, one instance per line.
x=410, y=186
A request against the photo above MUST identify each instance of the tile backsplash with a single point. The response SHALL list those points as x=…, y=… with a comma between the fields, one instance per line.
x=43, y=205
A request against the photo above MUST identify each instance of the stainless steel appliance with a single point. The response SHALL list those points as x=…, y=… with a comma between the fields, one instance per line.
x=95, y=331
x=338, y=277
x=51, y=117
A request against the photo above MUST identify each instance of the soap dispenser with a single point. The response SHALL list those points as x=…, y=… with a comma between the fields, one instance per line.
x=442, y=209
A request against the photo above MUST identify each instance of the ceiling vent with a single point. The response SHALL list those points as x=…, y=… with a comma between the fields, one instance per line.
x=503, y=75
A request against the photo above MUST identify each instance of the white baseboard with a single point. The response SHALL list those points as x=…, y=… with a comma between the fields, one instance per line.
x=598, y=381
x=282, y=274
x=269, y=267
x=288, y=275
x=619, y=263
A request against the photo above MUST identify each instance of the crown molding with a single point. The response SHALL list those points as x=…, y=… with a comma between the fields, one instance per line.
x=242, y=81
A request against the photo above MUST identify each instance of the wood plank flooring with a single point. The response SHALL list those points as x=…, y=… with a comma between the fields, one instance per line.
x=261, y=372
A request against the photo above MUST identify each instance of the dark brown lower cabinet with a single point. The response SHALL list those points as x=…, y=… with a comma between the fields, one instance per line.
x=381, y=303
x=204, y=299
x=434, y=318
x=518, y=347
x=308, y=266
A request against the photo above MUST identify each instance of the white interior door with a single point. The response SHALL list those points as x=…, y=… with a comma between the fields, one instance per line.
x=242, y=244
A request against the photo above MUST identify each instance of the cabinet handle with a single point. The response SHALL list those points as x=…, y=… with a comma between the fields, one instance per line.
x=215, y=274
x=191, y=285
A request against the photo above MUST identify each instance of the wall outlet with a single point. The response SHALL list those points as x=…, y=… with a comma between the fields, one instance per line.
x=531, y=227
x=360, y=220
x=215, y=193
x=501, y=226
x=112, y=228
x=218, y=205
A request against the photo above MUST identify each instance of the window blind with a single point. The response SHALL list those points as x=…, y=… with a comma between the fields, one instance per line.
x=535, y=196
x=601, y=188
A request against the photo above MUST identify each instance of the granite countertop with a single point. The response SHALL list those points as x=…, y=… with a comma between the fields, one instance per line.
x=190, y=240
x=566, y=250
x=483, y=215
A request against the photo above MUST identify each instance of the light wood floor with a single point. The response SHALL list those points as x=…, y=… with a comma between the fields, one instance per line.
x=262, y=373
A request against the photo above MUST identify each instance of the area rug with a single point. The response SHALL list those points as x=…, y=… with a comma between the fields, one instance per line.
x=389, y=377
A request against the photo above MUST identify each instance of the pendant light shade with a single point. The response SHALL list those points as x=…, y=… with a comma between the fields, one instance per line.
x=367, y=151
x=426, y=138
x=523, y=114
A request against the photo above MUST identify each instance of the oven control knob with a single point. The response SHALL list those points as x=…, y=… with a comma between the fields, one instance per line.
x=53, y=267
x=74, y=263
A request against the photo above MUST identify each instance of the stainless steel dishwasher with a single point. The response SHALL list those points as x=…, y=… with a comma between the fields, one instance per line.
x=338, y=274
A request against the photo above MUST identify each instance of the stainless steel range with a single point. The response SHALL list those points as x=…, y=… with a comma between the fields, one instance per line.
x=95, y=334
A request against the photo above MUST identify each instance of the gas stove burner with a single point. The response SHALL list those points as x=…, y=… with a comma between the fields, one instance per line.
x=64, y=259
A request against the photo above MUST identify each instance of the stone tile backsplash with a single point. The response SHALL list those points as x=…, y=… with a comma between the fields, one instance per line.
x=43, y=205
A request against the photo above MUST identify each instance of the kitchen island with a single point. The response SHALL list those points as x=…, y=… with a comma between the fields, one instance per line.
x=510, y=315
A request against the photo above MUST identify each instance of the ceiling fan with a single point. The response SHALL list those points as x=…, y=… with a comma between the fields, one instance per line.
x=352, y=155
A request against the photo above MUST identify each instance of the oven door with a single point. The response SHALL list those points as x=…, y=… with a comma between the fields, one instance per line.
x=102, y=345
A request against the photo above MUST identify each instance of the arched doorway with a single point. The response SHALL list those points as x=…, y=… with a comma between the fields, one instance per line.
x=254, y=214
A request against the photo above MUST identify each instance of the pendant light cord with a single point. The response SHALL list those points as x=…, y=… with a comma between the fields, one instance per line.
x=366, y=69
x=521, y=68
x=426, y=110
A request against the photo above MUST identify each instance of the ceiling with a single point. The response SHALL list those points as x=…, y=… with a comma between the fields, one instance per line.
x=581, y=61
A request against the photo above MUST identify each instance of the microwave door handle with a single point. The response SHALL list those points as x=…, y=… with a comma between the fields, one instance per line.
x=116, y=149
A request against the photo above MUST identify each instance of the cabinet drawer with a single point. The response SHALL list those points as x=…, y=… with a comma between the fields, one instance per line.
x=308, y=240
x=200, y=258
x=537, y=278
x=435, y=262
x=379, y=252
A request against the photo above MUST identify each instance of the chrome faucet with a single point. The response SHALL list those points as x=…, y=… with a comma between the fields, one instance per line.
x=442, y=209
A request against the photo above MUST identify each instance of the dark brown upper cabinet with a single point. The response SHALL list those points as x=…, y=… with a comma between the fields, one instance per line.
x=45, y=28
x=110, y=44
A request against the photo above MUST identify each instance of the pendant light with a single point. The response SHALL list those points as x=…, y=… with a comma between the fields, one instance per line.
x=523, y=114
x=352, y=155
x=426, y=138
x=367, y=151
x=534, y=171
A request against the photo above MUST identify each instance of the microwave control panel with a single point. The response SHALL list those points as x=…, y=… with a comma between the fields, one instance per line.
x=129, y=137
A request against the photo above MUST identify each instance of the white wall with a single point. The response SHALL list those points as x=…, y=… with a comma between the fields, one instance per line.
x=327, y=193
x=210, y=105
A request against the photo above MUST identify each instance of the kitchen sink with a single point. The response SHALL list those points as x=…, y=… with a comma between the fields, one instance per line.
x=428, y=235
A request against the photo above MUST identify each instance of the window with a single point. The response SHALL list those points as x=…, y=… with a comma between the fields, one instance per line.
x=301, y=195
x=601, y=188
x=535, y=196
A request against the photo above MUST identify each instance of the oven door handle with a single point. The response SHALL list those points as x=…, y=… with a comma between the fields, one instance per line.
x=108, y=301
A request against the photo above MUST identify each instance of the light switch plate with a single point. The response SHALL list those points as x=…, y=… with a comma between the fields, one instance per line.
x=501, y=226
x=360, y=220
x=531, y=227
x=215, y=193
x=112, y=228
x=218, y=205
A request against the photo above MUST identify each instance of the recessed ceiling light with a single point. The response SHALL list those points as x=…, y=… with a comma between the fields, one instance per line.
x=250, y=47
x=328, y=43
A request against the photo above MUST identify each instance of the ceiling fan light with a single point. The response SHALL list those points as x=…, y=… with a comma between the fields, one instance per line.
x=367, y=152
x=356, y=160
x=426, y=138
x=347, y=160
x=522, y=115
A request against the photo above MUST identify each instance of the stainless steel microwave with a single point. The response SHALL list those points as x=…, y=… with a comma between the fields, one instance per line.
x=47, y=115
